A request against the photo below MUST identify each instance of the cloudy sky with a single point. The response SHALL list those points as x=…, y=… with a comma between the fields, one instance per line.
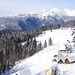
x=30, y=6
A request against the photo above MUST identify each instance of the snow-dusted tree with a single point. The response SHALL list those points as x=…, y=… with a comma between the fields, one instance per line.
x=34, y=43
x=39, y=46
x=45, y=44
x=50, y=41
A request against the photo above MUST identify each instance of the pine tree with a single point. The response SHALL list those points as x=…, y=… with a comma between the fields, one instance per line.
x=34, y=43
x=1, y=56
x=45, y=44
x=40, y=45
x=50, y=41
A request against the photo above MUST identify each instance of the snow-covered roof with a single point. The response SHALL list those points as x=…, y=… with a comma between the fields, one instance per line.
x=71, y=57
x=66, y=69
x=61, y=56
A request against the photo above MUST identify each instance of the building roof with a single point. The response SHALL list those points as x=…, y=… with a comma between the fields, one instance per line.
x=63, y=56
x=64, y=69
x=71, y=57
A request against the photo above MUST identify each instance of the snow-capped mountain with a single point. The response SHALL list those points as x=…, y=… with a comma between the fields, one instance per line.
x=31, y=21
x=55, y=11
x=65, y=15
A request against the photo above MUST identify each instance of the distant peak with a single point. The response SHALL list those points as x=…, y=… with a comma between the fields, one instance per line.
x=55, y=10
x=43, y=10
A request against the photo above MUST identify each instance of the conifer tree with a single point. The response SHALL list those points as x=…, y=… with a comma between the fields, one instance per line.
x=40, y=45
x=50, y=41
x=45, y=44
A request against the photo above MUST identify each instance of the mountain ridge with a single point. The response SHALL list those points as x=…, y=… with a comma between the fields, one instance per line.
x=32, y=21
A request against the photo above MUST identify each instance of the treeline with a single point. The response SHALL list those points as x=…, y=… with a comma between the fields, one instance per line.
x=69, y=24
x=19, y=44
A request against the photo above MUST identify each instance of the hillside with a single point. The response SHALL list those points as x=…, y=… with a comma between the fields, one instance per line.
x=40, y=62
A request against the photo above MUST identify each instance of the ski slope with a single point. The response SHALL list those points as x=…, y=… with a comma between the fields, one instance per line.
x=40, y=62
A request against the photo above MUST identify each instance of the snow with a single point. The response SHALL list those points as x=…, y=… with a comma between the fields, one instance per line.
x=65, y=14
x=71, y=57
x=40, y=62
x=36, y=63
x=61, y=56
x=58, y=36
x=62, y=47
x=66, y=69
x=73, y=49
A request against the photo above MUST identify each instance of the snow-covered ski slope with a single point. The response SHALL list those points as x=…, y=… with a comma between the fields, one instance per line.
x=40, y=62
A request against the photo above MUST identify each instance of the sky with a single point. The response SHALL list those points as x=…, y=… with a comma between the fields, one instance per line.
x=14, y=7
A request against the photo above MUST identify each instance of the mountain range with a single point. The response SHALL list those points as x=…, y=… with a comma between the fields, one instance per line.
x=32, y=21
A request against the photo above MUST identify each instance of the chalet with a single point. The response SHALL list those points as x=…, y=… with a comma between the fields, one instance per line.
x=60, y=61
x=54, y=60
x=66, y=58
x=67, y=61
x=70, y=58
x=63, y=69
x=55, y=56
x=61, y=57
x=48, y=72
